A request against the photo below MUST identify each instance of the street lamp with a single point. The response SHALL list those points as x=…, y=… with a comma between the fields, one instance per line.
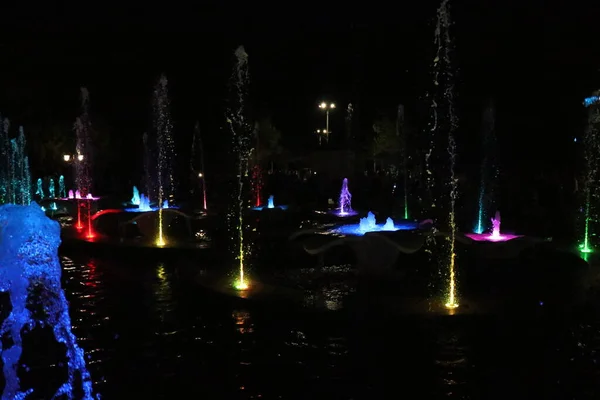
x=321, y=133
x=327, y=107
x=69, y=158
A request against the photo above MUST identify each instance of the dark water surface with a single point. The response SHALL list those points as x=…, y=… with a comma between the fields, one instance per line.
x=151, y=333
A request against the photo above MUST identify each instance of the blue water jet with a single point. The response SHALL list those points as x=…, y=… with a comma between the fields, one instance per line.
x=29, y=252
x=39, y=191
x=369, y=224
x=135, y=200
x=62, y=192
x=270, y=205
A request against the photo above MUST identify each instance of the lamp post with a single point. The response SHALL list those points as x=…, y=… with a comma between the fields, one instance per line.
x=321, y=133
x=326, y=107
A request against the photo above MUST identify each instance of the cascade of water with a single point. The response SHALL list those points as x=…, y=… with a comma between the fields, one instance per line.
x=591, y=149
x=52, y=189
x=489, y=170
x=256, y=179
x=166, y=150
x=29, y=252
x=61, y=187
x=39, y=191
x=446, y=121
x=16, y=177
x=241, y=133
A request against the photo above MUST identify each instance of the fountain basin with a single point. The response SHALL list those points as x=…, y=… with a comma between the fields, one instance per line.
x=487, y=237
x=343, y=214
x=267, y=208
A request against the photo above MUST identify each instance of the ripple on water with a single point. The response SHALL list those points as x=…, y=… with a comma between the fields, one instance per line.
x=150, y=333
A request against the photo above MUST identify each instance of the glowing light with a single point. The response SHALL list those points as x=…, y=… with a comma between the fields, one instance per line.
x=67, y=157
x=80, y=157
x=588, y=101
x=241, y=283
x=323, y=105
x=200, y=175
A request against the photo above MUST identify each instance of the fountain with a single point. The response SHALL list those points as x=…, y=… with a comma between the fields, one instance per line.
x=369, y=224
x=61, y=187
x=495, y=235
x=489, y=171
x=592, y=147
x=197, y=141
x=402, y=133
x=345, y=202
x=15, y=178
x=135, y=200
x=39, y=191
x=83, y=178
x=71, y=195
x=166, y=150
x=270, y=205
x=29, y=250
x=144, y=203
x=52, y=189
x=241, y=135
x=442, y=127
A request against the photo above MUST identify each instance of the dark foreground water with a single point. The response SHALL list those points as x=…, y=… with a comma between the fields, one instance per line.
x=151, y=333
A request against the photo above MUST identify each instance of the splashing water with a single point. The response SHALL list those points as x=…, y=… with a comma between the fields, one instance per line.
x=369, y=224
x=52, y=189
x=71, y=195
x=402, y=133
x=61, y=187
x=165, y=145
x=345, y=198
x=29, y=251
x=496, y=226
x=144, y=203
x=592, y=147
x=83, y=160
x=39, y=191
x=443, y=78
x=271, y=202
x=15, y=178
x=135, y=200
x=241, y=133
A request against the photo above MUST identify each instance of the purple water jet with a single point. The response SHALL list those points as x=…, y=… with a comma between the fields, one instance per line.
x=345, y=202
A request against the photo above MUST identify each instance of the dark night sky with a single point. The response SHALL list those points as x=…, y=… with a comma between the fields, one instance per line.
x=537, y=61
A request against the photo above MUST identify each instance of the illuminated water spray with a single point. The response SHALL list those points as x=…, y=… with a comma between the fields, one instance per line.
x=489, y=170
x=445, y=119
x=402, y=134
x=241, y=133
x=30, y=274
x=83, y=162
x=15, y=178
x=197, y=166
x=592, y=149
x=166, y=152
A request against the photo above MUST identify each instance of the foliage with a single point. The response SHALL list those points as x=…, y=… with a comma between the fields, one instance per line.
x=268, y=138
x=385, y=139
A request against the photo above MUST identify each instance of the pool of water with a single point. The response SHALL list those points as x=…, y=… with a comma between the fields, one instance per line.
x=150, y=332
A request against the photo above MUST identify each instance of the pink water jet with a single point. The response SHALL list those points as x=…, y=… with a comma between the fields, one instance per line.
x=495, y=236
